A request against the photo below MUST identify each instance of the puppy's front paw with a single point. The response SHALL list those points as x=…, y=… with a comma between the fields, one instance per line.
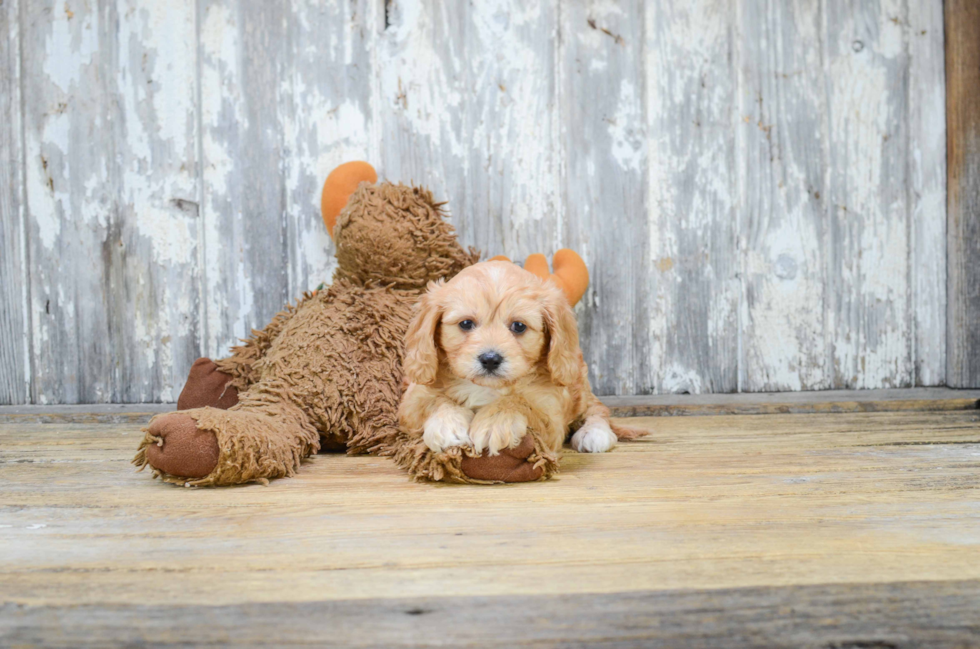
x=496, y=430
x=447, y=427
x=594, y=436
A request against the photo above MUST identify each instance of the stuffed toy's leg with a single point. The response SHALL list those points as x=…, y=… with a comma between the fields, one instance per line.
x=528, y=462
x=531, y=460
x=279, y=416
x=264, y=436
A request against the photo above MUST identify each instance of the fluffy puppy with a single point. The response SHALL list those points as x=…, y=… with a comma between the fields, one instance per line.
x=492, y=350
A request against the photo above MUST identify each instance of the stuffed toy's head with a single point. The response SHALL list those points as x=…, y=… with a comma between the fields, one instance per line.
x=389, y=234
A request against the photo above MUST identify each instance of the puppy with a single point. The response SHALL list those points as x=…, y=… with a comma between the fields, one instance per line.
x=490, y=352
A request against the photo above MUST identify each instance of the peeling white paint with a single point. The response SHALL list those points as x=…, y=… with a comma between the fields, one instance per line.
x=71, y=45
x=680, y=380
x=625, y=129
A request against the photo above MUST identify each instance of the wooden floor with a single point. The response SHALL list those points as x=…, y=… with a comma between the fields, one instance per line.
x=831, y=530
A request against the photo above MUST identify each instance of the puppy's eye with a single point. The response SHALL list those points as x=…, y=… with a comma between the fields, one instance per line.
x=466, y=325
x=518, y=327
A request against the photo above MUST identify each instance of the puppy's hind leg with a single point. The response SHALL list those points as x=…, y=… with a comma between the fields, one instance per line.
x=595, y=436
x=598, y=434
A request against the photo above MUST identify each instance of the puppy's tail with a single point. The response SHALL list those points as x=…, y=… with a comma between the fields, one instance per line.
x=628, y=433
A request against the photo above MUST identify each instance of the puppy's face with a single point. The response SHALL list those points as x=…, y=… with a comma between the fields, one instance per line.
x=492, y=328
x=493, y=323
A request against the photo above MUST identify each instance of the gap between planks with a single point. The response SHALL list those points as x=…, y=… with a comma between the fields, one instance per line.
x=757, y=403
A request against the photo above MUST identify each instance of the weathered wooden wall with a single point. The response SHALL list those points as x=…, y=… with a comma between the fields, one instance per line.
x=757, y=187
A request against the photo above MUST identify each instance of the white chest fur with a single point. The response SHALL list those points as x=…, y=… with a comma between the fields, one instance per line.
x=471, y=395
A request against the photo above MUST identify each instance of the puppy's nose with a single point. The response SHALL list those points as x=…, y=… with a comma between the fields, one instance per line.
x=490, y=360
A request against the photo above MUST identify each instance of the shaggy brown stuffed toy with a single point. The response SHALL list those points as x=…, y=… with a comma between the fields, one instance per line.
x=326, y=373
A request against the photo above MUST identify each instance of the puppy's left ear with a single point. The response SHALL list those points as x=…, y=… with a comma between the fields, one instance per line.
x=563, y=351
x=421, y=353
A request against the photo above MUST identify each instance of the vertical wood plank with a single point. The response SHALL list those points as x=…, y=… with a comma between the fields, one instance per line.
x=15, y=362
x=467, y=105
x=867, y=305
x=927, y=166
x=690, y=79
x=151, y=256
x=604, y=184
x=962, y=18
x=782, y=130
x=244, y=235
x=326, y=94
x=69, y=166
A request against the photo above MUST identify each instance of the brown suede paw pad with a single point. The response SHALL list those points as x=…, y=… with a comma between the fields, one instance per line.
x=182, y=449
x=511, y=465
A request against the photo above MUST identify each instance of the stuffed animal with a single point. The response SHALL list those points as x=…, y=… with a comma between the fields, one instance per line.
x=326, y=373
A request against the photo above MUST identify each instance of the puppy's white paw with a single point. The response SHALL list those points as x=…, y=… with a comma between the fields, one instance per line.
x=447, y=427
x=497, y=430
x=594, y=436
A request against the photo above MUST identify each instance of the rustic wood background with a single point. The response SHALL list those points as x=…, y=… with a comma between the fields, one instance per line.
x=757, y=187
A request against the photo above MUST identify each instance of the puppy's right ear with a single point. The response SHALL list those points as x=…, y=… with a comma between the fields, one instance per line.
x=421, y=352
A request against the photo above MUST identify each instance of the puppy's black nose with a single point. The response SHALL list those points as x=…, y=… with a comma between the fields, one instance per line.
x=490, y=360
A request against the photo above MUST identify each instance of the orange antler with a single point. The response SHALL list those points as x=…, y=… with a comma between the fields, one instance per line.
x=340, y=184
x=570, y=274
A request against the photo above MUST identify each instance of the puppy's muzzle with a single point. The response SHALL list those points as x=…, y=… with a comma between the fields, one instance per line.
x=490, y=361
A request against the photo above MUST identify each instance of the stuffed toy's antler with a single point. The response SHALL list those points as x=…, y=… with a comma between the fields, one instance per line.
x=340, y=184
x=571, y=274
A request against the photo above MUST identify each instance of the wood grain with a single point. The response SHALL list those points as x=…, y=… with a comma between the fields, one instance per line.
x=927, y=175
x=152, y=271
x=867, y=306
x=704, y=503
x=15, y=316
x=242, y=209
x=69, y=172
x=467, y=106
x=691, y=85
x=963, y=194
x=887, y=616
x=111, y=184
x=782, y=108
x=327, y=118
x=604, y=189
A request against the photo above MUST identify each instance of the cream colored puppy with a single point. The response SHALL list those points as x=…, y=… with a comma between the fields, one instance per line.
x=488, y=350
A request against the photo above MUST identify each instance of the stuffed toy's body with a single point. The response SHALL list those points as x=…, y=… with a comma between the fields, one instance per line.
x=326, y=373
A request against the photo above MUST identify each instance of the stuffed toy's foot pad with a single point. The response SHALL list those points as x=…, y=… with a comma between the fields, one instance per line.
x=511, y=465
x=207, y=386
x=182, y=449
